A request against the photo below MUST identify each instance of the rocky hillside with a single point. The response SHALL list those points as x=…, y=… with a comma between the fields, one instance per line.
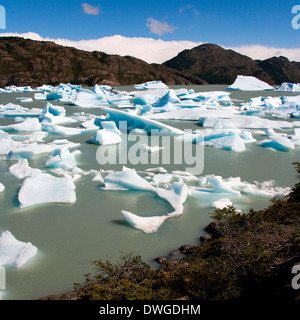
x=216, y=65
x=27, y=62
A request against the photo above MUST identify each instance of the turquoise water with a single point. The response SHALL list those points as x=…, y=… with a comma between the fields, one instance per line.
x=69, y=236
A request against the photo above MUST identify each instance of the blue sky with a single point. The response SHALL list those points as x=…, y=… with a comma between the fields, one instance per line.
x=229, y=23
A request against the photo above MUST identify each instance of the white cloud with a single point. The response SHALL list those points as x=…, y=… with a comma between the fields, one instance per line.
x=190, y=7
x=91, y=10
x=156, y=51
x=158, y=27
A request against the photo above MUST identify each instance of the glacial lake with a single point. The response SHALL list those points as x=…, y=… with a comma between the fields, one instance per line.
x=69, y=236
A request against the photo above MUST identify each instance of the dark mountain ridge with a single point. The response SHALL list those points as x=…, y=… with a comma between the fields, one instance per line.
x=216, y=65
x=28, y=62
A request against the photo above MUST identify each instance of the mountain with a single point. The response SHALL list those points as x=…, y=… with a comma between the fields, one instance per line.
x=27, y=62
x=216, y=65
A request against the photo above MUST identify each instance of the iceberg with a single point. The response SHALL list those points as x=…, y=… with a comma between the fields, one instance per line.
x=25, y=99
x=219, y=186
x=146, y=99
x=88, y=99
x=151, y=85
x=278, y=143
x=138, y=122
x=61, y=158
x=145, y=224
x=109, y=135
x=224, y=139
x=21, y=169
x=289, y=87
x=64, y=131
x=222, y=203
x=169, y=97
x=14, y=252
x=29, y=125
x=2, y=187
x=129, y=179
x=296, y=137
x=54, y=114
x=249, y=83
x=43, y=188
x=29, y=150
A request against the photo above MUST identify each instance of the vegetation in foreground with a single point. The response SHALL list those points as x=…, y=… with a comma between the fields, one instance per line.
x=247, y=256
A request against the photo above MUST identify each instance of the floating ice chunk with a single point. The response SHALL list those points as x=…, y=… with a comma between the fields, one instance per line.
x=222, y=203
x=40, y=96
x=145, y=99
x=98, y=177
x=55, y=115
x=296, y=137
x=28, y=151
x=128, y=179
x=54, y=110
x=12, y=110
x=169, y=97
x=14, y=252
x=61, y=158
x=219, y=186
x=157, y=170
x=2, y=187
x=249, y=83
x=21, y=169
x=162, y=178
x=109, y=135
x=146, y=224
x=88, y=99
x=247, y=136
x=295, y=115
x=29, y=125
x=278, y=143
x=176, y=196
x=25, y=99
x=6, y=143
x=64, y=131
x=231, y=142
x=289, y=87
x=151, y=85
x=137, y=122
x=42, y=188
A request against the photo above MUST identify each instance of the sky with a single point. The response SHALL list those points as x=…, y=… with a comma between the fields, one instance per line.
x=156, y=31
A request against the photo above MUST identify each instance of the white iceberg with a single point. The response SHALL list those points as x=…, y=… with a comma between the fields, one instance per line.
x=169, y=97
x=29, y=125
x=129, y=179
x=222, y=203
x=249, y=83
x=88, y=99
x=21, y=169
x=61, y=158
x=109, y=135
x=137, y=122
x=43, y=188
x=14, y=252
x=289, y=87
x=151, y=85
x=145, y=224
x=219, y=186
x=12, y=110
x=64, y=131
x=2, y=187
